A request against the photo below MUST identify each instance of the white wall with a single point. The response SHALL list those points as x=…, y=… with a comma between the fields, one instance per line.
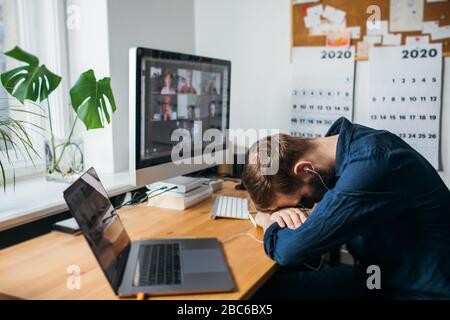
x=107, y=30
x=159, y=24
x=255, y=36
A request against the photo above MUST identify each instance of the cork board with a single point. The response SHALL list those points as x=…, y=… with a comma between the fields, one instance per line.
x=357, y=16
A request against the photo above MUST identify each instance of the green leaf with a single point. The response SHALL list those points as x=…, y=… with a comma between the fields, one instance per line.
x=88, y=100
x=2, y=171
x=14, y=138
x=30, y=82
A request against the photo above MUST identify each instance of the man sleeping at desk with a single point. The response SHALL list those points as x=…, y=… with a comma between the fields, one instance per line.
x=374, y=193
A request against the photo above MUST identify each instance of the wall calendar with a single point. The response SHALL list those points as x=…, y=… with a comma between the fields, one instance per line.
x=323, y=85
x=405, y=94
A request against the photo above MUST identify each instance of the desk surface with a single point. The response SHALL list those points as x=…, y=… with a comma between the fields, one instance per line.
x=37, y=269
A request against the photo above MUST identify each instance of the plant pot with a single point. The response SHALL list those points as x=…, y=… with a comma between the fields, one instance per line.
x=64, y=160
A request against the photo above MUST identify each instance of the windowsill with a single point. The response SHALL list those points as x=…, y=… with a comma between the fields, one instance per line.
x=37, y=198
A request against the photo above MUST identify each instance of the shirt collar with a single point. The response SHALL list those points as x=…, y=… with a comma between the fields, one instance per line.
x=344, y=128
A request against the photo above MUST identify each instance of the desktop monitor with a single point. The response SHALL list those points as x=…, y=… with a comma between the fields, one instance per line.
x=175, y=97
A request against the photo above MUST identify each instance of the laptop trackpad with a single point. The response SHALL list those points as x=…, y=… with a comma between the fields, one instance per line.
x=203, y=261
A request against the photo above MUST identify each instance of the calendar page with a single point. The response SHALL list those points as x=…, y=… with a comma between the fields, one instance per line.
x=405, y=94
x=323, y=82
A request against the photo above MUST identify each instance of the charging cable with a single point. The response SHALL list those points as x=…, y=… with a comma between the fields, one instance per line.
x=320, y=177
x=248, y=234
x=150, y=194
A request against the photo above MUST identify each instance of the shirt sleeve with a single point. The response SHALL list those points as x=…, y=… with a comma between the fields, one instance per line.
x=344, y=212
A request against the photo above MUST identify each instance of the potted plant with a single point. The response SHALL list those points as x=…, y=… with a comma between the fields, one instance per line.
x=88, y=97
x=15, y=139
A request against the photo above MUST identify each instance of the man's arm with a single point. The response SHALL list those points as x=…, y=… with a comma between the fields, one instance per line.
x=263, y=220
x=338, y=218
x=288, y=217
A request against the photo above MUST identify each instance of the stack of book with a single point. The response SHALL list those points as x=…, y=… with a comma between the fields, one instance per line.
x=176, y=199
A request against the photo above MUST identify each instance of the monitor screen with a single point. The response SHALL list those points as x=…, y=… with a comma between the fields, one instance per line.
x=89, y=203
x=178, y=91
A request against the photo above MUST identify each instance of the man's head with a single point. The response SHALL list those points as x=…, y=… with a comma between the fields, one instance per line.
x=295, y=181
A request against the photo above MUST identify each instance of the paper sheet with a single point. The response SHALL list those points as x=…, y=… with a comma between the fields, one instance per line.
x=392, y=39
x=378, y=28
x=338, y=39
x=326, y=27
x=355, y=32
x=406, y=15
x=315, y=10
x=430, y=26
x=311, y=20
x=441, y=33
x=323, y=82
x=405, y=94
x=362, y=49
x=333, y=14
x=372, y=39
x=412, y=40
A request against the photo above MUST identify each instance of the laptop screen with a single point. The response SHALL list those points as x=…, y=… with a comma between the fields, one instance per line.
x=89, y=203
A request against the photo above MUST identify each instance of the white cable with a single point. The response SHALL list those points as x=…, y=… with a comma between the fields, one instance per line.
x=248, y=234
x=320, y=177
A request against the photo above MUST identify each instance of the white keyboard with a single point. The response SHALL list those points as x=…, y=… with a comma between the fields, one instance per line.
x=230, y=207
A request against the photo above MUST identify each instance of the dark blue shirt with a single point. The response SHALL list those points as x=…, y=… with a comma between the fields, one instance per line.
x=388, y=204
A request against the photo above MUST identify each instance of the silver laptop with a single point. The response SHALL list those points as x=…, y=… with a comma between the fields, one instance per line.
x=149, y=266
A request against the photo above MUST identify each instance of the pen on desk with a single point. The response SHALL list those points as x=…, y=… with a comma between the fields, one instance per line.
x=140, y=296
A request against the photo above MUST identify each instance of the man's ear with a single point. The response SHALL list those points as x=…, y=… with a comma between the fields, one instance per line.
x=301, y=165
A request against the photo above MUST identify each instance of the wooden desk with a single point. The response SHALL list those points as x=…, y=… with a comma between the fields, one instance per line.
x=37, y=269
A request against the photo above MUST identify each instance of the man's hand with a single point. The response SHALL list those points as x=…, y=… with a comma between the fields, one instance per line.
x=263, y=220
x=290, y=217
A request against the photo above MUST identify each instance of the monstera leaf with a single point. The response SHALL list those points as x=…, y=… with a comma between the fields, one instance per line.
x=88, y=100
x=30, y=82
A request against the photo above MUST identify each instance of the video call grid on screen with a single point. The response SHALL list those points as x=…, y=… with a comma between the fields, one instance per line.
x=180, y=94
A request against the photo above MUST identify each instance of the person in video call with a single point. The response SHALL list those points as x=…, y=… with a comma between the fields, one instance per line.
x=209, y=86
x=167, y=113
x=168, y=89
x=214, y=119
x=372, y=192
x=191, y=112
x=212, y=112
x=187, y=87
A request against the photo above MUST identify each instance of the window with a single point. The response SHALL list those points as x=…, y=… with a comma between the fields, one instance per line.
x=4, y=108
x=39, y=28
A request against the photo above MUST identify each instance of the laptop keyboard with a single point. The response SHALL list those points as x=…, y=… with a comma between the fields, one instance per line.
x=159, y=264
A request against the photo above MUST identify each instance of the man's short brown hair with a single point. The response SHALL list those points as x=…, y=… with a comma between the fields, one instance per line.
x=263, y=188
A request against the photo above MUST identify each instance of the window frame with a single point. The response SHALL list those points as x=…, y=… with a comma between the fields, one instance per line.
x=40, y=28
